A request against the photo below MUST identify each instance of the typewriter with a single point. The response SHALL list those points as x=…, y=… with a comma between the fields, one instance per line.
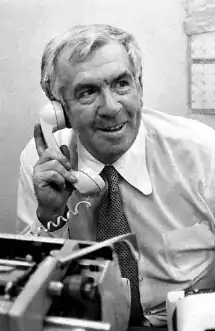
x=191, y=310
x=49, y=284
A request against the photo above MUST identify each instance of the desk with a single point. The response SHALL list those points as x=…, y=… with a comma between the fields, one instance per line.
x=143, y=328
x=134, y=328
x=137, y=328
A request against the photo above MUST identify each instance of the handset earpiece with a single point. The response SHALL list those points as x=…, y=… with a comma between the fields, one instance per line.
x=51, y=120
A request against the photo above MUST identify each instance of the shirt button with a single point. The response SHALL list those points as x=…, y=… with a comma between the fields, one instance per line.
x=140, y=278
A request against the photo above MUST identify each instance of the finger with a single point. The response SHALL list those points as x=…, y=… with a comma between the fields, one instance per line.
x=65, y=151
x=51, y=154
x=55, y=165
x=73, y=151
x=39, y=140
x=53, y=177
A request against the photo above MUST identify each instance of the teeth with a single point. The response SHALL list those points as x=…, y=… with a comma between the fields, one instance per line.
x=113, y=128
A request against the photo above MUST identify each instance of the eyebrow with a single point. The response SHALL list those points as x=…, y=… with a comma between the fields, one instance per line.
x=89, y=84
x=125, y=74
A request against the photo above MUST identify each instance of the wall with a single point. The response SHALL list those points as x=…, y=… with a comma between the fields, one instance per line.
x=26, y=26
x=199, y=25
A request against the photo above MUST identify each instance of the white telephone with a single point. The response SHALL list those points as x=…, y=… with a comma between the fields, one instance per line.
x=52, y=119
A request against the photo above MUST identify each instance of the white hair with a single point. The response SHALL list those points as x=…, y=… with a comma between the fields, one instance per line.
x=79, y=42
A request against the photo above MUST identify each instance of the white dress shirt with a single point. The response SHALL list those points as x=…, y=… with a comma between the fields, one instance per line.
x=167, y=187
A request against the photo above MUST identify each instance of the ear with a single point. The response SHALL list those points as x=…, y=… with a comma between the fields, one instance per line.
x=140, y=90
x=141, y=102
x=140, y=81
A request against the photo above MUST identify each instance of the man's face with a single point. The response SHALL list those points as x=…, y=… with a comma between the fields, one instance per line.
x=103, y=101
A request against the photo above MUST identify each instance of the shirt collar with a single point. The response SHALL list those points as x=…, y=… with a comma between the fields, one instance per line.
x=131, y=166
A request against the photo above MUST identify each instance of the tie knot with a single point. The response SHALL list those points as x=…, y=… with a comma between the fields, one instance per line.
x=111, y=174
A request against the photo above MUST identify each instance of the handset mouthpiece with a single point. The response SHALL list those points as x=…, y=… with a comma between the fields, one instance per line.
x=88, y=183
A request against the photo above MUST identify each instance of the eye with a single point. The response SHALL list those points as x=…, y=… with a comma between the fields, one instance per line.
x=123, y=85
x=87, y=95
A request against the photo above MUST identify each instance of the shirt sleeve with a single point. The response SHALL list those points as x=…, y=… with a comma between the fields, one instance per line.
x=210, y=188
x=27, y=221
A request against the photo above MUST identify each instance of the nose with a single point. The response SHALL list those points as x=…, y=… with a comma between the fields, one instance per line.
x=110, y=105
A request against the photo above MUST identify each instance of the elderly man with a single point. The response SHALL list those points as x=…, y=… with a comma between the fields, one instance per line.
x=158, y=169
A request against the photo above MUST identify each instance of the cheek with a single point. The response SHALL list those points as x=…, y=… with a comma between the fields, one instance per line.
x=134, y=105
x=82, y=120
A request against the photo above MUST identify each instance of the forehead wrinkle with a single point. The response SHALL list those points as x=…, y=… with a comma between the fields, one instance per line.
x=98, y=67
x=89, y=78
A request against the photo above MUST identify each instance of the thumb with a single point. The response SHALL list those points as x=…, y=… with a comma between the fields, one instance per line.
x=65, y=151
x=71, y=152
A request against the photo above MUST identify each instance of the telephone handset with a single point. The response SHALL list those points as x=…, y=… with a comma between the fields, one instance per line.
x=52, y=119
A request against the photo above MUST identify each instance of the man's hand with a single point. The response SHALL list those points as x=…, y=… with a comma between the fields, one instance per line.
x=53, y=178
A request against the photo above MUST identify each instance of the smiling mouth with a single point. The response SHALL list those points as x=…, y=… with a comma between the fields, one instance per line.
x=113, y=128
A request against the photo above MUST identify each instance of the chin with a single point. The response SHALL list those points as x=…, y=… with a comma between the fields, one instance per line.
x=112, y=154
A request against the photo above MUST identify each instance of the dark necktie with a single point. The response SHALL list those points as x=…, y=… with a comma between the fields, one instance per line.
x=112, y=222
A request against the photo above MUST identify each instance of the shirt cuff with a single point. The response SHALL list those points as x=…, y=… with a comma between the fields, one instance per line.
x=56, y=229
x=62, y=232
x=55, y=224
